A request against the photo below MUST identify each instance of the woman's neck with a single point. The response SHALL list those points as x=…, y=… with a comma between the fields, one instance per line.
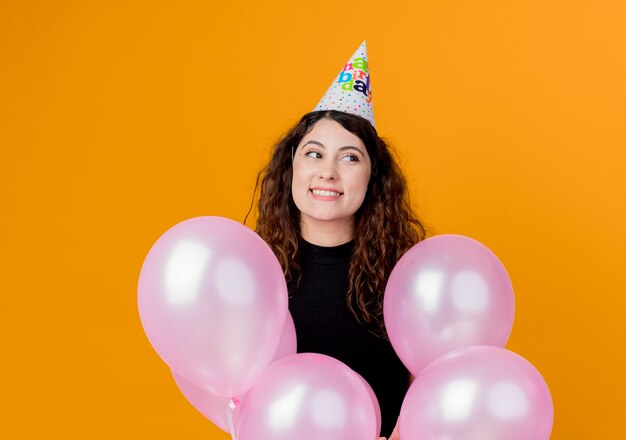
x=327, y=233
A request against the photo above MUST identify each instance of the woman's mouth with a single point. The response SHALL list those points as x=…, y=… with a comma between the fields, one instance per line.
x=325, y=194
x=321, y=192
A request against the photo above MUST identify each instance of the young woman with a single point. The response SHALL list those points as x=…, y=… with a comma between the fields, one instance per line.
x=335, y=210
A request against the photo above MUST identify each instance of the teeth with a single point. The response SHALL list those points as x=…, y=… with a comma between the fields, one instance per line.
x=319, y=192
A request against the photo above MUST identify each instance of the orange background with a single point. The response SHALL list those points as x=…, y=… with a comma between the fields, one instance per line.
x=120, y=119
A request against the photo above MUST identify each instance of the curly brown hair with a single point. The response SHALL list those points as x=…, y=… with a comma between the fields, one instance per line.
x=385, y=227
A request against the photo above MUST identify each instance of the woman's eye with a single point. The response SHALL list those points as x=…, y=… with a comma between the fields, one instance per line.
x=314, y=154
x=350, y=158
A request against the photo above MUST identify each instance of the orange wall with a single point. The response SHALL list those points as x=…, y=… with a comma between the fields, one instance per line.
x=120, y=119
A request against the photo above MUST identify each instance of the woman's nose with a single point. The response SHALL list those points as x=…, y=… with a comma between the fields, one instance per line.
x=327, y=171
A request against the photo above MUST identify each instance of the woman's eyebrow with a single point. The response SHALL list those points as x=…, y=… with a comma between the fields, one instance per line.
x=346, y=147
x=351, y=147
x=319, y=144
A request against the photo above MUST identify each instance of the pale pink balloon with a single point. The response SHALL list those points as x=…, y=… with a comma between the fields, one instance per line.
x=445, y=293
x=215, y=407
x=213, y=301
x=308, y=396
x=377, y=413
x=480, y=392
x=288, y=344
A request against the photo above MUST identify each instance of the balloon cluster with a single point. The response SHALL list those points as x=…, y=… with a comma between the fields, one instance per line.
x=449, y=311
x=213, y=303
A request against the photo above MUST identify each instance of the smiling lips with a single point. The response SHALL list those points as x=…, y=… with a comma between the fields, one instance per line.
x=325, y=194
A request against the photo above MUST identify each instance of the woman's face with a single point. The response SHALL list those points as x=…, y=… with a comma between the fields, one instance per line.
x=331, y=171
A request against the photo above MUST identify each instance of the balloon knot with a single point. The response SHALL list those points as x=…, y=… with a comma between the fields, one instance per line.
x=234, y=403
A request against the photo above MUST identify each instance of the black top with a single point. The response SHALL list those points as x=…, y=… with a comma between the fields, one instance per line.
x=324, y=324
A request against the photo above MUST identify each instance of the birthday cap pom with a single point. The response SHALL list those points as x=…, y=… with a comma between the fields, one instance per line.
x=351, y=92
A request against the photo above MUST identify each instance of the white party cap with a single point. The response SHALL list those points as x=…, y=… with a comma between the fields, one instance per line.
x=351, y=92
